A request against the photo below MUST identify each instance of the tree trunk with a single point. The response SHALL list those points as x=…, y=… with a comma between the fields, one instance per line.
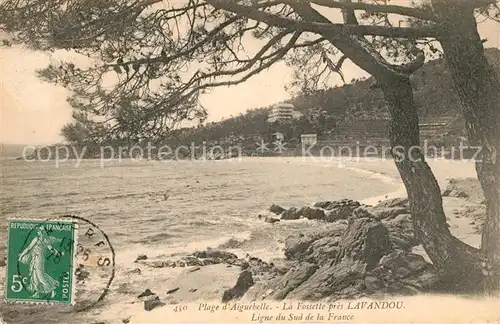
x=478, y=88
x=458, y=263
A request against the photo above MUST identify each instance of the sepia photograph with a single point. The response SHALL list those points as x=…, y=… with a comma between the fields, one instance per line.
x=249, y=161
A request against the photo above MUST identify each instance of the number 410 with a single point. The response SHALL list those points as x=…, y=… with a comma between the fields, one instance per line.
x=17, y=285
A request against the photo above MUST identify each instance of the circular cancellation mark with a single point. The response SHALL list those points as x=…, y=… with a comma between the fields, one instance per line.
x=78, y=264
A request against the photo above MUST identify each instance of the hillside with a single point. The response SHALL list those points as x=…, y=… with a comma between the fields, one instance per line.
x=12, y=150
x=360, y=113
x=352, y=115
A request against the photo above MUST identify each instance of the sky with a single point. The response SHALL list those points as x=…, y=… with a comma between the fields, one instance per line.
x=32, y=112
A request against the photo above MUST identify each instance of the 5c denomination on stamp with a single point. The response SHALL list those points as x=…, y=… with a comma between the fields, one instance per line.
x=40, y=261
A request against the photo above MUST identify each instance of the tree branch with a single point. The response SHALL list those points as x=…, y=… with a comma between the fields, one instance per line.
x=359, y=51
x=315, y=27
x=400, y=10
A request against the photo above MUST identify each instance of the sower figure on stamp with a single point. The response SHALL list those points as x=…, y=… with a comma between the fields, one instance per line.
x=41, y=283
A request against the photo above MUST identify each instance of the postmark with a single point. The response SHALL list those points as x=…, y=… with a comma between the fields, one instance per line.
x=40, y=261
x=94, y=263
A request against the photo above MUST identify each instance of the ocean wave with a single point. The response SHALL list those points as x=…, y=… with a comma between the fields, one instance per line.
x=34, y=179
x=374, y=175
x=203, y=222
x=155, y=238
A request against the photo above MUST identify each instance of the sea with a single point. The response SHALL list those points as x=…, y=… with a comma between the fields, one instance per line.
x=168, y=207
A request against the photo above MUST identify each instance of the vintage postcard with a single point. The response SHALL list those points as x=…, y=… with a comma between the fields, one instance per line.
x=249, y=161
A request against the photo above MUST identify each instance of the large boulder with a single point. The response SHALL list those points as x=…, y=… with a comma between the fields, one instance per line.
x=366, y=240
x=329, y=205
x=324, y=250
x=315, y=246
x=350, y=261
x=215, y=254
x=401, y=271
x=401, y=264
x=276, y=209
x=394, y=202
x=337, y=210
x=282, y=286
x=296, y=247
x=244, y=282
x=401, y=233
x=305, y=212
x=311, y=213
x=290, y=214
x=331, y=280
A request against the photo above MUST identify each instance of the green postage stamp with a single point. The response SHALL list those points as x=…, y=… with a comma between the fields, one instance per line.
x=40, y=257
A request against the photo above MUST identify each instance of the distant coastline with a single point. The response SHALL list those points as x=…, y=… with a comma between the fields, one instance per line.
x=184, y=152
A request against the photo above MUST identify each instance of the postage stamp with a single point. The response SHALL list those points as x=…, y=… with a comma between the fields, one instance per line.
x=40, y=261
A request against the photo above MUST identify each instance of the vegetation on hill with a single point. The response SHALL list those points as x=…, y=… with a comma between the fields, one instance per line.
x=355, y=102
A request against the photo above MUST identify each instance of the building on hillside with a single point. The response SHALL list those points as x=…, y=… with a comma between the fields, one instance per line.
x=280, y=137
x=282, y=112
x=297, y=115
x=309, y=139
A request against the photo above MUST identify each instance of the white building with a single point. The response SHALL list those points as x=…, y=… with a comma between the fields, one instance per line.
x=282, y=112
x=280, y=137
x=309, y=139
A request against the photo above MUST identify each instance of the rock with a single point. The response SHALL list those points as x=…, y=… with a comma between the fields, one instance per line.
x=256, y=292
x=256, y=265
x=339, y=262
x=296, y=247
x=198, y=259
x=341, y=209
x=194, y=269
x=171, y=291
x=192, y=290
x=330, y=205
x=425, y=281
x=244, y=282
x=389, y=212
x=271, y=220
x=401, y=232
x=316, y=246
x=323, y=250
x=394, y=202
x=311, y=213
x=330, y=281
x=366, y=240
x=146, y=293
x=153, y=303
x=291, y=280
x=212, y=253
x=373, y=283
x=398, y=260
x=278, y=210
x=468, y=188
x=306, y=212
x=135, y=271
x=232, y=243
x=290, y=214
x=2, y=263
x=126, y=320
x=364, y=212
x=141, y=257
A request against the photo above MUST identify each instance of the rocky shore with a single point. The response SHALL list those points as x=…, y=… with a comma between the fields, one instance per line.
x=358, y=251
